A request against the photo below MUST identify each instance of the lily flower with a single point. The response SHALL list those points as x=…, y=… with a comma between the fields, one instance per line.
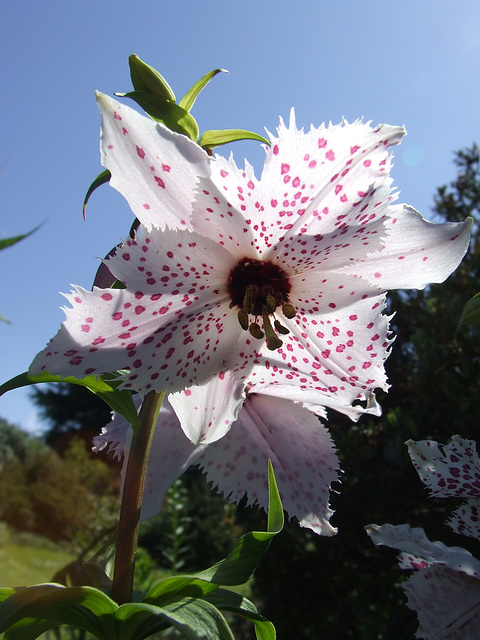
x=234, y=455
x=230, y=272
x=445, y=589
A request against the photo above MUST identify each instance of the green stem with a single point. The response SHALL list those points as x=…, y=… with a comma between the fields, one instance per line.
x=127, y=537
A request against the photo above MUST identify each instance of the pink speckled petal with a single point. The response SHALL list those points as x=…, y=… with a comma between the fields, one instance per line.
x=155, y=169
x=322, y=179
x=206, y=412
x=448, y=471
x=171, y=454
x=170, y=328
x=447, y=603
x=223, y=208
x=301, y=451
x=416, y=252
x=340, y=354
x=418, y=551
x=466, y=519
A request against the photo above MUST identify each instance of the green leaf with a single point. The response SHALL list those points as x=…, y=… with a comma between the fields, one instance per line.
x=102, y=178
x=8, y=242
x=471, y=311
x=189, y=98
x=146, y=78
x=235, y=603
x=103, y=386
x=214, y=138
x=3, y=319
x=178, y=586
x=195, y=619
x=168, y=113
x=50, y=605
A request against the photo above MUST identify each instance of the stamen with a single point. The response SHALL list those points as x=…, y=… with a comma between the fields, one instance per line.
x=242, y=316
x=259, y=289
x=280, y=328
x=273, y=341
x=270, y=303
x=288, y=311
x=255, y=331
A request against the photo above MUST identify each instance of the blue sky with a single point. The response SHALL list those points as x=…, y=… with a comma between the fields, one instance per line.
x=413, y=63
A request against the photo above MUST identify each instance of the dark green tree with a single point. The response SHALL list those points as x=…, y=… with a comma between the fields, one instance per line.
x=70, y=409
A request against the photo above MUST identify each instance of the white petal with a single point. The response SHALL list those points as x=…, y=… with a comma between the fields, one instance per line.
x=449, y=471
x=170, y=328
x=339, y=354
x=466, y=519
x=206, y=412
x=155, y=169
x=416, y=252
x=447, y=603
x=171, y=454
x=302, y=454
x=225, y=208
x=318, y=179
x=418, y=551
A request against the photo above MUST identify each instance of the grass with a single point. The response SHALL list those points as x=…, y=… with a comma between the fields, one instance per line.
x=25, y=565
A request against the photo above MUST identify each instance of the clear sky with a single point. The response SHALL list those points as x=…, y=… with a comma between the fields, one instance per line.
x=415, y=62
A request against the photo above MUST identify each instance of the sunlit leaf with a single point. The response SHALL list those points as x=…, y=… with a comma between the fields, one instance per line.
x=146, y=78
x=215, y=138
x=189, y=98
x=168, y=113
x=103, y=386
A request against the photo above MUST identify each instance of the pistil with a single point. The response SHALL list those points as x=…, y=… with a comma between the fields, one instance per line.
x=258, y=289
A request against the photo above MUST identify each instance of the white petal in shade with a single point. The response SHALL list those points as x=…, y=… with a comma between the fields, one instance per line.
x=206, y=412
x=155, y=169
x=302, y=454
x=171, y=454
x=418, y=551
x=449, y=471
x=447, y=604
x=466, y=519
x=416, y=252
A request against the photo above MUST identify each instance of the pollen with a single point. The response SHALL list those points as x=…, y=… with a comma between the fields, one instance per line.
x=258, y=289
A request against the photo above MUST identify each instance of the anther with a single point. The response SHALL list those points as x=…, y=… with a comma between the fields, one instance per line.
x=288, y=311
x=273, y=341
x=280, y=328
x=270, y=303
x=255, y=331
x=242, y=316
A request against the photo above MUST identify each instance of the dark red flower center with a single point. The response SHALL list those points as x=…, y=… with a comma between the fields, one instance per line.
x=257, y=288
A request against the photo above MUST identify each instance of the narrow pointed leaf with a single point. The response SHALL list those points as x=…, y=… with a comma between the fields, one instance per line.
x=239, y=566
x=168, y=113
x=102, y=178
x=3, y=319
x=235, y=603
x=8, y=242
x=146, y=78
x=104, y=387
x=189, y=98
x=215, y=138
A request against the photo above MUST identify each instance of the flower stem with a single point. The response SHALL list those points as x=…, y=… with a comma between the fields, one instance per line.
x=127, y=537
